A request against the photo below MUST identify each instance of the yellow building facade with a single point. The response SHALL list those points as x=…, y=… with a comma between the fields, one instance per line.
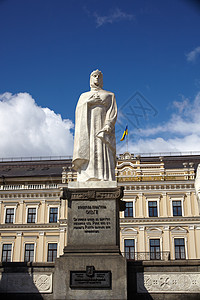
x=161, y=220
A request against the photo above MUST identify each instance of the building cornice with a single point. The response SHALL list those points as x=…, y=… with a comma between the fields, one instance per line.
x=168, y=220
x=24, y=226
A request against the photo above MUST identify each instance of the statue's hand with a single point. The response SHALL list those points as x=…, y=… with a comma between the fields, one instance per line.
x=94, y=99
x=107, y=128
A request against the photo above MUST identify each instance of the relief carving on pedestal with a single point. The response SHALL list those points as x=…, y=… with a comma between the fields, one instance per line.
x=168, y=282
x=91, y=194
x=43, y=282
x=25, y=283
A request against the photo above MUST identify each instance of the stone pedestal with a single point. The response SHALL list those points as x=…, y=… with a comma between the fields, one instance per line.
x=92, y=266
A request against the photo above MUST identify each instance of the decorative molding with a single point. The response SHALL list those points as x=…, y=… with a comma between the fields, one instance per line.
x=129, y=230
x=168, y=282
x=154, y=229
x=179, y=230
x=191, y=227
x=152, y=196
x=92, y=194
x=32, y=204
x=34, y=195
x=8, y=237
x=13, y=203
x=166, y=227
x=160, y=186
x=171, y=220
x=141, y=228
x=29, y=225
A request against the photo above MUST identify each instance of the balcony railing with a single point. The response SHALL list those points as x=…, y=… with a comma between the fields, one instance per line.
x=28, y=186
x=165, y=255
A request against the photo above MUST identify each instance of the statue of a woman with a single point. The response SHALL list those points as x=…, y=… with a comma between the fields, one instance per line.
x=94, y=155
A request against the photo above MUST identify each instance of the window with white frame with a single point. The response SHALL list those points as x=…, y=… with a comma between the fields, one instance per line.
x=129, y=209
x=129, y=248
x=6, y=252
x=155, y=249
x=179, y=247
x=31, y=214
x=10, y=214
x=53, y=214
x=52, y=252
x=152, y=206
x=29, y=252
x=177, y=208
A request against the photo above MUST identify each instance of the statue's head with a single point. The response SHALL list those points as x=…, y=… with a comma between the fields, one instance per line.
x=96, y=79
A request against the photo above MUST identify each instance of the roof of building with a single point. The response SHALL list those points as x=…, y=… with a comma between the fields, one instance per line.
x=54, y=167
x=33, y=168
x=175, y=162
x=170, y=161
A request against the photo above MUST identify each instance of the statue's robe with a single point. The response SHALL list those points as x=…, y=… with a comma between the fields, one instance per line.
x=94, y=156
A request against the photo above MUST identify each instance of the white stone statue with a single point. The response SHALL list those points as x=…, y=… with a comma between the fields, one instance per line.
x=94, y=156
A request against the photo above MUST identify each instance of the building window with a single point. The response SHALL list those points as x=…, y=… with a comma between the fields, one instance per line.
x=177, y=208
x=53, y=214
x=52, y=252
x=31, y=217
x=129, y=248
x=129, y=209
x=6, y=252
x=155, y=249
x=9, y=215
x=153, y=211
x=29, y=252
x=179, y=245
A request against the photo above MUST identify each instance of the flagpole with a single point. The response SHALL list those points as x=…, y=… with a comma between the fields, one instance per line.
x=127, y=143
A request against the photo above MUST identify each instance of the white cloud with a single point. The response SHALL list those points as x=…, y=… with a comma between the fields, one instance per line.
x=115, y=16
x=29, y=130
x=180, y=134
x=192, y=55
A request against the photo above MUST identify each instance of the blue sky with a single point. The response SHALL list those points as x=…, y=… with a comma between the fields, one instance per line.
x=49, y=48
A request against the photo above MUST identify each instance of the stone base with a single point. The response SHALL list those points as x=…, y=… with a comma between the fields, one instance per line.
x=92, y=267
x=112, y=265
x=93, y=219
x=92, y=184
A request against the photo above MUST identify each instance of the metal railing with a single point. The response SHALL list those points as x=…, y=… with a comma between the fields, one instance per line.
x=34, y=158
x=69, y=157
x=8, y=187
x=164, y=255
x=160, y=154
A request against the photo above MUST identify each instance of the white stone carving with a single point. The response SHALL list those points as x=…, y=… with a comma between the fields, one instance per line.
x=43, y=282
x=94, y=156
x=175, y=282
x=25, y=283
